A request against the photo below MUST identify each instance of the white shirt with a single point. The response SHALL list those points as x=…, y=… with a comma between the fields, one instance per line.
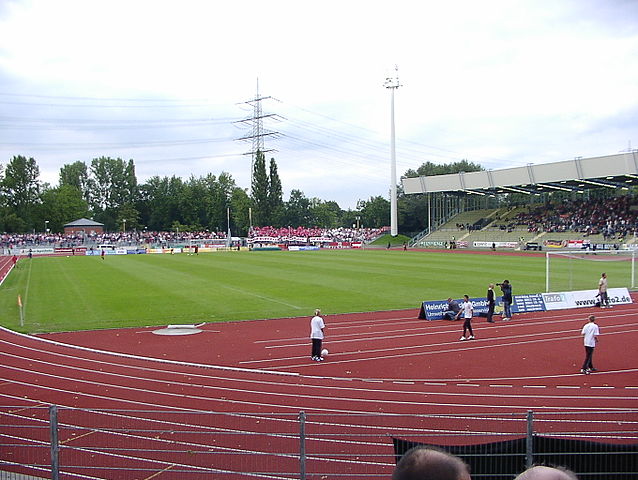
x=467, y=308
x=590, y=332
x=316, y=327
x=602, y=284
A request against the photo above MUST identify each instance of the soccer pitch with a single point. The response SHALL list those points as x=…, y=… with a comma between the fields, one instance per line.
x=85, y=293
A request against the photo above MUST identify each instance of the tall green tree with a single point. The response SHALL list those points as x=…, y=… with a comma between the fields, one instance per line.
x=112, y=183
x=240, y=205
x=21, y=189
x=275, y=195
x=324, y=214
x=297, y=210
x=159, y=202
x=76, y=174
x=60, y=206
x=259, y=191
x=375, y=212
x=429, y=168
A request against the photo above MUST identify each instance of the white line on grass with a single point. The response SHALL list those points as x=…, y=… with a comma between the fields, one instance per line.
x=263, y=297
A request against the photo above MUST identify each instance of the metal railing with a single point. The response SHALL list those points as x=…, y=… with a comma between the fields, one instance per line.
x=67, y=443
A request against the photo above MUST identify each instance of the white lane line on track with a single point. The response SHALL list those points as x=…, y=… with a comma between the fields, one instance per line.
x=163, y=361
x=190, y=383
x=576, y=387
x=467, y=385
x=361, y=401
x=303, y=342
x=371, y=355
x=323, y=397
x=147, y=359
x=440, y=329
x=534, y=386
x=501, y=386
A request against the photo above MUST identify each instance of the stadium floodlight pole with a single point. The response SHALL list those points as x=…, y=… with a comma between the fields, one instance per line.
x=393, y=84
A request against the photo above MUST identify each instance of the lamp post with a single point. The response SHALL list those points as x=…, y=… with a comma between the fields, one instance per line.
x=393, y=84
x=124, y=225
x=46, y=226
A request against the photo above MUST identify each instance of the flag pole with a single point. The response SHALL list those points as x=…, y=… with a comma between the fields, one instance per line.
x=21, y=310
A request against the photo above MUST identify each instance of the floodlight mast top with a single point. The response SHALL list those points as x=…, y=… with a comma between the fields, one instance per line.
x=393, y=84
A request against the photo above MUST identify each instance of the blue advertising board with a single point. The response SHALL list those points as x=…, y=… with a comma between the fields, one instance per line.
x=533, y=302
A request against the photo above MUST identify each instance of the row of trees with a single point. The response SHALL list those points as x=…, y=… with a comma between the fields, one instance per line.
x=107, y=191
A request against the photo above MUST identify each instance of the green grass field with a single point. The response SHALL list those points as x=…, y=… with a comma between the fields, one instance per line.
x=83, y=293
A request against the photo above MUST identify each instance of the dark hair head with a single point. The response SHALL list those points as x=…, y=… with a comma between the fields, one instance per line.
x=430, y=463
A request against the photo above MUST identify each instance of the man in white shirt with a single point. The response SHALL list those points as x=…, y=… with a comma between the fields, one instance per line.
x=467, y=310
x=602, y=291
x=316, y=335
x=590, y=333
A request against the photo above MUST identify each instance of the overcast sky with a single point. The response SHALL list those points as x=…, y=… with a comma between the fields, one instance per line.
x=497, y=82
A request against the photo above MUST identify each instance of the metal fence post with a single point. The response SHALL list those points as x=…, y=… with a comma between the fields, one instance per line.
x=529, y=441
x=302, y=445
x=55, y=450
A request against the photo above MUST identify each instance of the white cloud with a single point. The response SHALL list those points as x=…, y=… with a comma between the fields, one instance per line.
x=500, y=83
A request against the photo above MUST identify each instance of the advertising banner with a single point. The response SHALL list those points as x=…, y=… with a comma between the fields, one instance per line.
x=496, y=244
x=532, y=302
x=584, y=298
x=434, y=310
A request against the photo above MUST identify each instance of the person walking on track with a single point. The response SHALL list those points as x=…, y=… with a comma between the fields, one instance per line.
x=590, y=334
x=467, y=310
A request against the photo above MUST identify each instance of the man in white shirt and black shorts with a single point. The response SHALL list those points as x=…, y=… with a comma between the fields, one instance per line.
x=316, y=335
x=590, y=333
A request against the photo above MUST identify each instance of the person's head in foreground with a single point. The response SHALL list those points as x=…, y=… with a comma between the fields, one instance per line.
x=541, y=472
x=430, y=463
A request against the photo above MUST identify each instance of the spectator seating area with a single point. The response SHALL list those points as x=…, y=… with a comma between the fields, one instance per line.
x=183, y=238
x=303, y=234
x=117, y=238
x=611, y=220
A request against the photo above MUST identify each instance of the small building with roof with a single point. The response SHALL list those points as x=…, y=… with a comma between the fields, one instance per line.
x=84, y=225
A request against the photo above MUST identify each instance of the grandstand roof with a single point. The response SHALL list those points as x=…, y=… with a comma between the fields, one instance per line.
x=84, y=222
x=577, y=175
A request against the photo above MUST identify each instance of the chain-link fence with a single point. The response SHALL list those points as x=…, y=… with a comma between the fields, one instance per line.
x=64, y=443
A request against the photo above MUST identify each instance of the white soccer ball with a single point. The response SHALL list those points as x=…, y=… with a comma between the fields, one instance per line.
x=324, y=352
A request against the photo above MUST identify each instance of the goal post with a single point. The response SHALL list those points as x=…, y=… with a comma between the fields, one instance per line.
x=581, y=269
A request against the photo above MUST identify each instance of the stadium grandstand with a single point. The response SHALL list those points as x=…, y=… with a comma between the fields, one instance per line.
x=580, y=202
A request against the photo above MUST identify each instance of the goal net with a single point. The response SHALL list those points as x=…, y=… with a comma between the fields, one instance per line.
x=580, y=270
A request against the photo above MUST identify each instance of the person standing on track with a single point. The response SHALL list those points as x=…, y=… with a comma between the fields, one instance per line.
x=491, y=303
x=467, y=310
x=602, y=291
x=590, y=333
x=316, y=335
x=506, y=288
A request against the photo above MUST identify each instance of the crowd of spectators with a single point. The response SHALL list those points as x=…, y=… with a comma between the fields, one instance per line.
x=11, y=240
x=14, y=240
x=613, y=218
x=342, y=234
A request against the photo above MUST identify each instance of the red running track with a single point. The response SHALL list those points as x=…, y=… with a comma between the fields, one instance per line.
x=388, y=373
